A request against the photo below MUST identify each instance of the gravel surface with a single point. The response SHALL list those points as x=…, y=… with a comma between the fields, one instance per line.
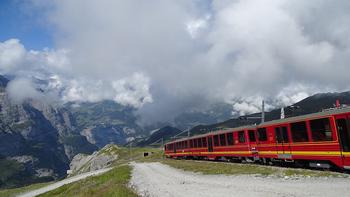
x=156, y=179
x=63, y=182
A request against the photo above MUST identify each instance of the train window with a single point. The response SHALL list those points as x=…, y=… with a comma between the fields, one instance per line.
x=222, y=140
x=230, y=140
x=204, y=142
x=185, y=142
x=285, y=134
x=216, y=140
x=251, y=134
x=241, y=137
x=278, y=134
x=199, y=142
x=321, y=130
x=262, y=135
x=195, y=144
x=191, y=143
x=299, y=132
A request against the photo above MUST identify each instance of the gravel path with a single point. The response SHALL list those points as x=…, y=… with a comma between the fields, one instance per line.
x=156, y=179
x=63, y=182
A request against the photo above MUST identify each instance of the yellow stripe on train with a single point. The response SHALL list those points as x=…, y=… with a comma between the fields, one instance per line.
x=299, y=153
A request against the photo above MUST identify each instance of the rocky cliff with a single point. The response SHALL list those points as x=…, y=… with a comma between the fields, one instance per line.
x=38, y=139
x=105, y=122
x=98, y=160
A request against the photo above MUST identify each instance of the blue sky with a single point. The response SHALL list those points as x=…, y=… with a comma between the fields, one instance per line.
x=17, y=20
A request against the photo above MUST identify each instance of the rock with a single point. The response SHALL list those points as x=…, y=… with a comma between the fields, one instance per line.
x=103, y=158
x=24, y=159
x=45, y=172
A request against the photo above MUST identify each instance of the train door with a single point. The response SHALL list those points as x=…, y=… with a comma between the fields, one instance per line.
x=253, y=145
x=282, y=142
x=343, y=127
x=210, y=144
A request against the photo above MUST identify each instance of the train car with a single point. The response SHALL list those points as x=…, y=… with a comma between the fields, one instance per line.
x=316, y=140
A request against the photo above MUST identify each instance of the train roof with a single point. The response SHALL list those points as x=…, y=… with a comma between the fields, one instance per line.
x=325, y=113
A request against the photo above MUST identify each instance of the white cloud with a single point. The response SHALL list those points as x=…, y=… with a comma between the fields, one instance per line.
x=12, y=54
x=130, y=91
x=21, y=89
x=133, y=91
x=246, y=50
x=196, y=25
x=50, y=71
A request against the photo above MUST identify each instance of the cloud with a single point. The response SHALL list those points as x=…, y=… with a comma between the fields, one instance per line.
x=11, y=55
x=130, y=91
x=195, y=26
x=21, y=89
x=166, y=57
x=50, y=72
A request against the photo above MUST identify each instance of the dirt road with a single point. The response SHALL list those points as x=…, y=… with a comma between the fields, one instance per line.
x=156, y=179
x=63, y=182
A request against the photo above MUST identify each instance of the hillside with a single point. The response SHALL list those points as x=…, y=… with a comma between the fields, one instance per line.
x=312, y=104
x=155, y=138
x=105, y=122
x=37, y=141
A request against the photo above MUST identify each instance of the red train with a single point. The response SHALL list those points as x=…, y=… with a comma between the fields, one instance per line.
x=315, y=140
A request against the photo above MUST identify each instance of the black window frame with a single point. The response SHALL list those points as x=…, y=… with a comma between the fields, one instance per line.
x=316, y=135
x=299, y=135
x=262, y=134
x=230, y=139
x=252, y=138
x=199, y=142
x=204, y=141
x=278, y=135
x=285, y=135
x=216, y=140
x=222, y=139
x=240, y=137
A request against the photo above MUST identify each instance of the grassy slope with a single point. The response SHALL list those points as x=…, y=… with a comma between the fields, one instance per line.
x=16, y=191
x=112, y=183
x=208, y=167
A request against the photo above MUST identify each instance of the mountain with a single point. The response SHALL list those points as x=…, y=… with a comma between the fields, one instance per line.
x=105, y=122
x=156, y=136
x=37, y=141
x=214, y=113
